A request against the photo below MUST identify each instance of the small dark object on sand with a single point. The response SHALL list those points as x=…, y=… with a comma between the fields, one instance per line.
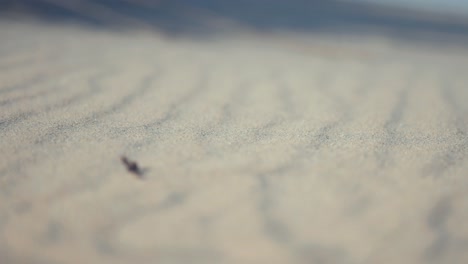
x=132, y=166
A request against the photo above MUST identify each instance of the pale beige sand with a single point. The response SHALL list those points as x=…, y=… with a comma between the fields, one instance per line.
x=274, y=148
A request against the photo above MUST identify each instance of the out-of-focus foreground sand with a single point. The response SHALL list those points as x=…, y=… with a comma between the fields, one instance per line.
x=273, y=148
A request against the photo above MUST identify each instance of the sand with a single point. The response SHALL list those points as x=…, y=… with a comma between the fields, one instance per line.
x=256, y=148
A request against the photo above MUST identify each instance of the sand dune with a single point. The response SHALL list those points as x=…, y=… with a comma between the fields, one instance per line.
x=273, y=148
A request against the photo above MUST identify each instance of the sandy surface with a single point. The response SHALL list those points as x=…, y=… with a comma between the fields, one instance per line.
x=278, y=148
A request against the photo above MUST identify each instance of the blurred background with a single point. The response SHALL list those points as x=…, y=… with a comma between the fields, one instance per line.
x=409, y=19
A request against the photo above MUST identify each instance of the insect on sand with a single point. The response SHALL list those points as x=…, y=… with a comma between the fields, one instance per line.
x=132, y=166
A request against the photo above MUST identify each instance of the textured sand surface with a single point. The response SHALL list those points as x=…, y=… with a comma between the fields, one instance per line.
x=275, y=148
